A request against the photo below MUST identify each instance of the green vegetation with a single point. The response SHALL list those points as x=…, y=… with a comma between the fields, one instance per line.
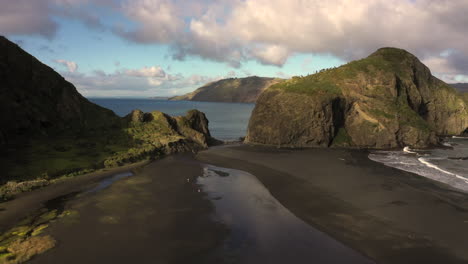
x=316, y=84
x=342, y=139
x=25, y=240
x=381, y=113
x=408, y=117
x=382, y=64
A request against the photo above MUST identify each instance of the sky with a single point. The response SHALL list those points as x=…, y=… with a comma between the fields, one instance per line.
x=145, y=48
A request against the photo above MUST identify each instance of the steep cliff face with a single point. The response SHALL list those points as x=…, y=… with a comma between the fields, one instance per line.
x=240, y=90
x=36, y=100
x=386, y=100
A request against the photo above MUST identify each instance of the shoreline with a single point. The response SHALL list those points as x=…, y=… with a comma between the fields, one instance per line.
x=389, y=215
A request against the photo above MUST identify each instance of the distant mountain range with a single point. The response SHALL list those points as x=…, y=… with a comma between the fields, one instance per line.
x=463, y=87
x=238, y=90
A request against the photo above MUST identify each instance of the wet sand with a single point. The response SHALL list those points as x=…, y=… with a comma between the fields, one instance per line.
x=156, y=216
x=388, y=215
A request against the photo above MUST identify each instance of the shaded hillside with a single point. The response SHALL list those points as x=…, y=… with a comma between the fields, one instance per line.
x=239, y=90
x=49, y=130
x=389, y=99
x=35, y=100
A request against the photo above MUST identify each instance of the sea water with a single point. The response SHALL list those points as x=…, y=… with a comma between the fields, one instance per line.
x=227, y=121
x=448, y=165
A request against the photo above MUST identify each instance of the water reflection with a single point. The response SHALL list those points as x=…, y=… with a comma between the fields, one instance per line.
x=262, y=230
x=110, y=180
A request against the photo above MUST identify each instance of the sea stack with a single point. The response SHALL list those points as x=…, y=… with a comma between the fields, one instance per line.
x=387, y=100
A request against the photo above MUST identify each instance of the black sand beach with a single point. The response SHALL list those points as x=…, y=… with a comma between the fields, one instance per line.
x=389, y=215
x=162, y=215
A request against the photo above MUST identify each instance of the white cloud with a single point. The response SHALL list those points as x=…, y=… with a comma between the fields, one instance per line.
x=271, y=54
x=71, y=65
x=26, y=17
x=269, y=31
x=159, y=21
x=153, y=71
x=143, y=82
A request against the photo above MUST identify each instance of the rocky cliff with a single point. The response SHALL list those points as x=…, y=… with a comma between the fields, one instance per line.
x=240, y=90
x=389, y=99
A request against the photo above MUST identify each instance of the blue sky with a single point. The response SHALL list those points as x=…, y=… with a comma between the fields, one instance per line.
x=141, y=48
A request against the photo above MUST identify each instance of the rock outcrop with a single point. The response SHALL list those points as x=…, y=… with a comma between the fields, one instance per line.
x=232, y=90
x=389, y=99
x=193, y=127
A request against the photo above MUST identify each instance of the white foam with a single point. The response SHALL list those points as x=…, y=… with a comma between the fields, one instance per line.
x=433, y=166
x=408, y=150
x=420, y=165
x=459, y=137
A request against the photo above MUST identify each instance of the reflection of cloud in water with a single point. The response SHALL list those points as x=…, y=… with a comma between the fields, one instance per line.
x=264, y=231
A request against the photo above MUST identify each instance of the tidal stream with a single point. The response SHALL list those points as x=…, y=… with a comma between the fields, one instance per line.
x=261, y=229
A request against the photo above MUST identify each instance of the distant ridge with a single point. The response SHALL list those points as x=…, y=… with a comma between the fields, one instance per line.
x=232, y=90
x=462, y=87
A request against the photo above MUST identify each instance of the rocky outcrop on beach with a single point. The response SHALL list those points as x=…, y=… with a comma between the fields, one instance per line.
x=232, y=90
x=389, y=99
x=191, y=130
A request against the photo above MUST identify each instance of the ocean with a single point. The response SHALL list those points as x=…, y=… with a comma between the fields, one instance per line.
x=448, y=165
x=227, y=121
